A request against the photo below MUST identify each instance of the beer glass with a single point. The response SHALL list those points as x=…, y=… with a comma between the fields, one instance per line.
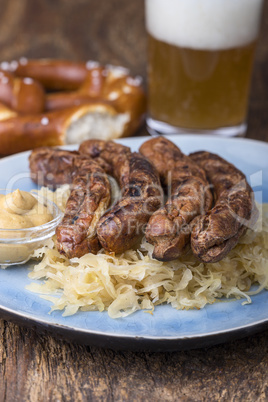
x=200, y=59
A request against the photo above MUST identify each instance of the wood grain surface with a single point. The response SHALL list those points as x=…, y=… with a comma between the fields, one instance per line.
x=38, y=367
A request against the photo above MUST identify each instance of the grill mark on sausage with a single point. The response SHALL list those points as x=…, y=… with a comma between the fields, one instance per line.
x=169, y=227
x=51, y=167
x=217, y=232
x=89, y=198
x=123, y=225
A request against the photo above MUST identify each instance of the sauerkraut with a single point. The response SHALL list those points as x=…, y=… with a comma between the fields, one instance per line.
x=123, y=284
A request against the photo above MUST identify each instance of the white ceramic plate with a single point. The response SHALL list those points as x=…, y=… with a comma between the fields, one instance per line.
x=167, y=328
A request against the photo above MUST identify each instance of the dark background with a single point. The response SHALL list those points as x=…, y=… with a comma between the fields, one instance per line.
x=40, y=367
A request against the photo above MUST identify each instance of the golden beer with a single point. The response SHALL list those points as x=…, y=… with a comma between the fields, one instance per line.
x=200, y=59
x=199, y=89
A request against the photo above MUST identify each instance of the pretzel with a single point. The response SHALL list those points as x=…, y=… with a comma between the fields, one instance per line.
x=109, y=92
x=68, y=126
x=22, y=95
x=91, y=81
x=6, y=112
x=111, y=84
x=53, y=74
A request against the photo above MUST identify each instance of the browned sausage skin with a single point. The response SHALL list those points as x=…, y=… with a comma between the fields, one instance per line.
x=112, y=153
x=89, y=198
x=217, y=232
x=52, y=167
x=123, y=225
x=169, y=227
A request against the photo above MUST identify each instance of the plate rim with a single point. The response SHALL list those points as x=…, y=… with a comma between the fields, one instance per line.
x=127, y=336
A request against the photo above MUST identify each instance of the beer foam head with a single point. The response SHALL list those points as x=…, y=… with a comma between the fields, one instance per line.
x=204, y=24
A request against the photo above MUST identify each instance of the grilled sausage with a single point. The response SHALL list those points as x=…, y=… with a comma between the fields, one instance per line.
x=123, y=225
x=89, y=198
x=169, y=227
x=110, y=152
x=52, y=167
x=217, y=232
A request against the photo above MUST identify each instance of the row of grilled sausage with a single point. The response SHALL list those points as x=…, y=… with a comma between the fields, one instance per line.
x=208, y=206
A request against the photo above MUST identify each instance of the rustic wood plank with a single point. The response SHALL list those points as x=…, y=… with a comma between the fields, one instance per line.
x=40, y=367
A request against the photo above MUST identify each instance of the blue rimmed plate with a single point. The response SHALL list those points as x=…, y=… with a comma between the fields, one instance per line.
x=167, y=328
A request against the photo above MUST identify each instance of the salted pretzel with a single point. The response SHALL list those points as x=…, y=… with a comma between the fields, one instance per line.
x=67, y=126
x=90, y=83
x=24, y=95
x=112, y=85
x=110, y=103
x=53, y=74
x=6, y=112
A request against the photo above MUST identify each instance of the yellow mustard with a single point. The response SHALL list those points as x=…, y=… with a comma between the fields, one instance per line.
x=20, y=209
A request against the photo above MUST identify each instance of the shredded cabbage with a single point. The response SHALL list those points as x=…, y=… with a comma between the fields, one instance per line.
x=123, y=284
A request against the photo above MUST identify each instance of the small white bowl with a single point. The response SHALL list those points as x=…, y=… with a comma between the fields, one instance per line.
x=17, y=245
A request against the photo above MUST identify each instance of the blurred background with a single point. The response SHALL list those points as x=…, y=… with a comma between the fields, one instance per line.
x=107, y=31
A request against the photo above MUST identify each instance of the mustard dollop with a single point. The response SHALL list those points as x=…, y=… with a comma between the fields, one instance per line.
x=20, y=210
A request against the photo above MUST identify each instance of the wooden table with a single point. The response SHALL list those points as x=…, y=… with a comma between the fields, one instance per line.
x=38, y=367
